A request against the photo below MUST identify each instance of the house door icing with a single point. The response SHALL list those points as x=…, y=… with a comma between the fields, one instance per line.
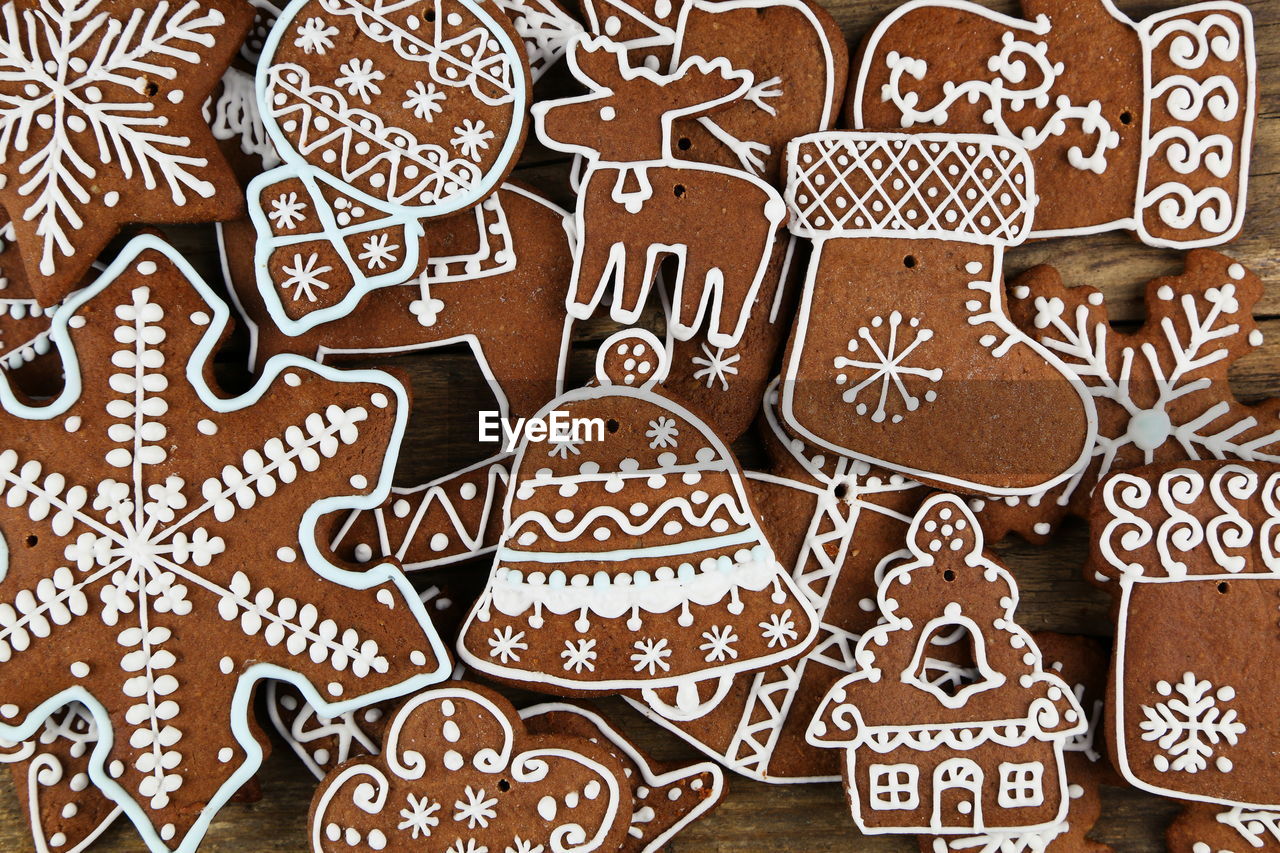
x=957, y=794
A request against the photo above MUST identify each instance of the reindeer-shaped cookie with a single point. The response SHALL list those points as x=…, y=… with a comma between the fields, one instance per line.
x=638, y=203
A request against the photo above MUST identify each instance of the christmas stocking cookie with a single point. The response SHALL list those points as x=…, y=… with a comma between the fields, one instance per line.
x=624, y=543
x=903, y=354
x=1192, y=553
x=1145, y=126
x=951, y=723
x=384, y=117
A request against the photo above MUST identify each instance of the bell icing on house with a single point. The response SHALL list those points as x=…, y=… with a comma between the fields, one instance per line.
x=951, y=724
x=631, y=556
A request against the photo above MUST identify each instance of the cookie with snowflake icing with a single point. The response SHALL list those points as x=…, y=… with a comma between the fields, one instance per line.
x=1161, y=392
x=625, y=539
x=458, y=771
x=951, y=723
x=496, y=281
x=903, y=353
x=1190, y=553
x=385, y=115
x=666, y=796
x=175, y=564
x=101, y=125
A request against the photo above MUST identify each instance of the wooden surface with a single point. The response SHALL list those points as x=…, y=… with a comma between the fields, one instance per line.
x=810, y=818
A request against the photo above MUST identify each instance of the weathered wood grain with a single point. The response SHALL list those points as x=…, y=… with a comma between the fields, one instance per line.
x=448, y=390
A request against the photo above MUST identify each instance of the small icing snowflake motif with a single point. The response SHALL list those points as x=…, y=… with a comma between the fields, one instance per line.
x=378, y=251
x=716, y=367
x=651, y=655
x=315, y=36
x=359, y=78
x=468, y=846
x=419, y=817
x=780, y=629
x=520, y=846
x=719, y=643
x=476, y=810
x=425, y=100
x=579, y=654
x=563, y=447
x=287, y=211
x=304, y=277
x=471, y=138
x=662, y=433
x=885, y=366
x=506, y=644
x=80, y=129
x=1189, y=726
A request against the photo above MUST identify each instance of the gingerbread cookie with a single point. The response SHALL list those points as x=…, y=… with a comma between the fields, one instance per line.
x=639, y=203
x=666, y=796
x=838, y=524
x=1162, y=392
x=1145, y=126
x=459, y=771
x=495, y=281
x=1082, y=663
x=624, y=544
x=102, y=125
x=951, y=724
x=1190, y=553
x=384, y=117
x=181, y=545
x=26, y=352
x=903, y=354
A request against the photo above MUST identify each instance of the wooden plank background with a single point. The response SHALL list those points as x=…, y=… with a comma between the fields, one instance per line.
x=809, y=818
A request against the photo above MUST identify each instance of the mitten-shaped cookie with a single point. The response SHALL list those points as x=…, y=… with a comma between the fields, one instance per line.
x=903, y=353
x=1145, y=126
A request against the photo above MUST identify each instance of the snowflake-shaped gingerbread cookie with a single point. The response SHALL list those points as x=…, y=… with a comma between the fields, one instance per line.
x=100, y=124
x=1162, y=392
x=162, y=555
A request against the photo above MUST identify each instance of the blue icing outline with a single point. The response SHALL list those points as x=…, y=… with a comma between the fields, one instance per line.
x=240, y=707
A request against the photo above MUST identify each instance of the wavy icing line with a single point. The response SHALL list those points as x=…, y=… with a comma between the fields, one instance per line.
x=540, y=520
